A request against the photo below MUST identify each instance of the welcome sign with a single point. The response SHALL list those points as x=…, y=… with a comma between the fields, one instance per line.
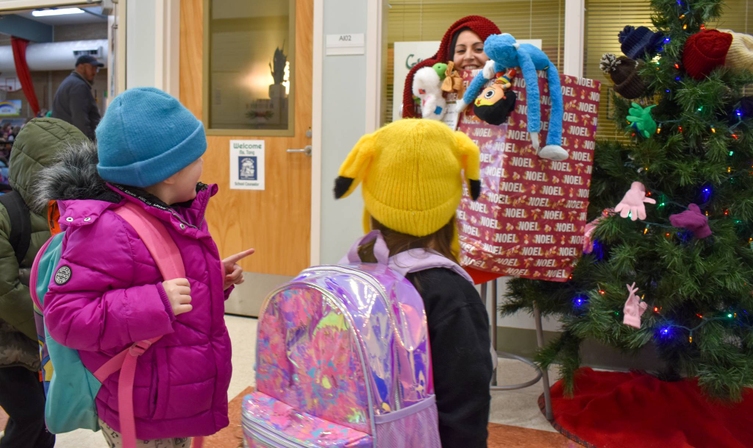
x=247, y=164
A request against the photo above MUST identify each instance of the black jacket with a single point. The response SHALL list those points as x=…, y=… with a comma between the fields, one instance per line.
x=461, y=357
x=74, y=103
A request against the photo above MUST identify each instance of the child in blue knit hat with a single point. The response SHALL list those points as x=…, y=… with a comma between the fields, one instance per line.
x=108, y=293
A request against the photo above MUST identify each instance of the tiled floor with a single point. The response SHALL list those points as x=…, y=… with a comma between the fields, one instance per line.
x=516, y=409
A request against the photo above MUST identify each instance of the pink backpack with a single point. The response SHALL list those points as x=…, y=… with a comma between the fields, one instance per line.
x=343, y=357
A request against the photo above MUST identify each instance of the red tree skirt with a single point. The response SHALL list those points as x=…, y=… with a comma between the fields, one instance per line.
x=616, y=410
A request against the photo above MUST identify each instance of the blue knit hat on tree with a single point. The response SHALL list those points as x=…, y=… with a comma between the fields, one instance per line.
x=640, y=42
x=147, y=136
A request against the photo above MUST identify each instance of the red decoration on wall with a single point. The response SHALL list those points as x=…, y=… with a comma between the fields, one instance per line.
x=22, y=69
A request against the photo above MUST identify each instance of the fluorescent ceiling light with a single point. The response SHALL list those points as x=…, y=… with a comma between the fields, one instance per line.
x=56, y=12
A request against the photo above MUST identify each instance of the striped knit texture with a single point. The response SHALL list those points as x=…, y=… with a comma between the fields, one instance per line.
x=740, y=53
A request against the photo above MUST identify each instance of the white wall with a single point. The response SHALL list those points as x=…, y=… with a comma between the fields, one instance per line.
x=343, y=123
x=152, y=39
x=140, y=43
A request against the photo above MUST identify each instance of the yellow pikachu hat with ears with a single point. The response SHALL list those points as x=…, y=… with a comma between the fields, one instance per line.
x=411, y=174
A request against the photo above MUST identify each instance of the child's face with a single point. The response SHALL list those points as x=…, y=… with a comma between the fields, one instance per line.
x=184, y=187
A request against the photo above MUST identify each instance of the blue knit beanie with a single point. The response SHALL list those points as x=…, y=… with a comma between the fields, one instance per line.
x=147, y=136
x=640, y=42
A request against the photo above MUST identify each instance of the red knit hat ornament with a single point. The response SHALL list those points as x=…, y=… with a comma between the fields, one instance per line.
x=704, y=51
x=479, y=25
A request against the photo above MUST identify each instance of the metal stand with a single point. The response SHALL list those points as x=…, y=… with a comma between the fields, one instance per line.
x=540, y=374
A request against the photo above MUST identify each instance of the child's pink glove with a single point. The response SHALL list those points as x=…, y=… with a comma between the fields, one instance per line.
x=693, y=220
x=632, y=203
x=588, y=245
x=634, y=308
x=233, y=271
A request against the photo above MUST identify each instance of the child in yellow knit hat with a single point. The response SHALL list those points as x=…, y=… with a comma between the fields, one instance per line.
x=411, y=173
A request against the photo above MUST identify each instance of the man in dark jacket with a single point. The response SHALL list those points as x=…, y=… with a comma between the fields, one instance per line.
x=21, y=393
x=74, y=101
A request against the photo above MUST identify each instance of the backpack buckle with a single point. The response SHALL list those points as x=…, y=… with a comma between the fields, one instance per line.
x=138, y=348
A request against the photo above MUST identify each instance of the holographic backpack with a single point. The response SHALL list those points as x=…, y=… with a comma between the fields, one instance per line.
x=343, y=357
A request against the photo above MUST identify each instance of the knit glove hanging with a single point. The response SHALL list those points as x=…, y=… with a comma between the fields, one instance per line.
x=632, y=204
x=642, y=120
x=693, y=220
x=634, y=308
x=588, y=244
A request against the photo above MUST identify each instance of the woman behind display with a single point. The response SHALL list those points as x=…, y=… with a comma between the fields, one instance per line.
x=463, y=44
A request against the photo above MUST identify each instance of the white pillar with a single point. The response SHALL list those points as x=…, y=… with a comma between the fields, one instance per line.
x=167, y=46
x=375, y=50
x=153, y=44
x=575, y=12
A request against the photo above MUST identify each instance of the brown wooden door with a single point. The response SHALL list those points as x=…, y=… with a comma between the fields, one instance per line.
x=277, y=220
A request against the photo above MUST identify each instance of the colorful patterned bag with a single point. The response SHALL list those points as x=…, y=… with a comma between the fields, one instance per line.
x=343, y=358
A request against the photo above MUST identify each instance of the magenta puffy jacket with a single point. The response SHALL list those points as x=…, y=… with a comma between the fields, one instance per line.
x=114, y=297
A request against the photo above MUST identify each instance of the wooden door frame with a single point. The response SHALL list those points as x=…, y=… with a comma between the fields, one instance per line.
x=316, y=125
x=316, y=134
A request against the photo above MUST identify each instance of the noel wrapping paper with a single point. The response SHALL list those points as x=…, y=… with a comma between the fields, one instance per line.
x=530, y=217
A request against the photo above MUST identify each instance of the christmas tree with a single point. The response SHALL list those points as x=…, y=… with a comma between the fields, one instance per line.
x=672, y=264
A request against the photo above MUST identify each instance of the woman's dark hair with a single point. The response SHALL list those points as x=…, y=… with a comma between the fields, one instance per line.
x=454, y=42
x=439, y=241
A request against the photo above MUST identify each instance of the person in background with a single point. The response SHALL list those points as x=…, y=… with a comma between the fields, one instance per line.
x=21, y=392
x=74, y=101
x=463, y=44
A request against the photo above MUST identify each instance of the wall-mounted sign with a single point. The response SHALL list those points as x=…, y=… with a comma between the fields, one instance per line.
x=343, y=44
x=10, y=108
x=247, y=164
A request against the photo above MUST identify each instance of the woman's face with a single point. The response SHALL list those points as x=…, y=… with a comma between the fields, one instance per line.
x=469, y=51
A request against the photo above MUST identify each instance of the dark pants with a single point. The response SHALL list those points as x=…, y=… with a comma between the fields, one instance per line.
x=22, y=398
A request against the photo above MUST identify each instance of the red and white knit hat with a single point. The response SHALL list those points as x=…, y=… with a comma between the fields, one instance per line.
x=704, y=51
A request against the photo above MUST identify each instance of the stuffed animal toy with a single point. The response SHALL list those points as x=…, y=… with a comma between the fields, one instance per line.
x=427, y=85
x=452, y=82
x=505, y=52
x=496, y=102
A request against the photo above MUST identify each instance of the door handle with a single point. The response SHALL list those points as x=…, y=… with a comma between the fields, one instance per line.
x=307, y=150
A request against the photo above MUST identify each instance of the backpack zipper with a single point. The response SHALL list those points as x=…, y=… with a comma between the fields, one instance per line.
x=273, y=437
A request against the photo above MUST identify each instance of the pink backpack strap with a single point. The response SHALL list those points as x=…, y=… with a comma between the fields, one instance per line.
x=416, y=260
x=412, y=260
x=170, y=264
x=381, y=252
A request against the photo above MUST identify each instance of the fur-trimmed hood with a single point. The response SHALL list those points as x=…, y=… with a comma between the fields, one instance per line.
x=73, y=176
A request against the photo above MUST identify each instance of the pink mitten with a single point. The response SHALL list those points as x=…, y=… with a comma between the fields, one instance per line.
x=632, y=203
x=693, y=220
x=634, y=308
x=588, y=245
